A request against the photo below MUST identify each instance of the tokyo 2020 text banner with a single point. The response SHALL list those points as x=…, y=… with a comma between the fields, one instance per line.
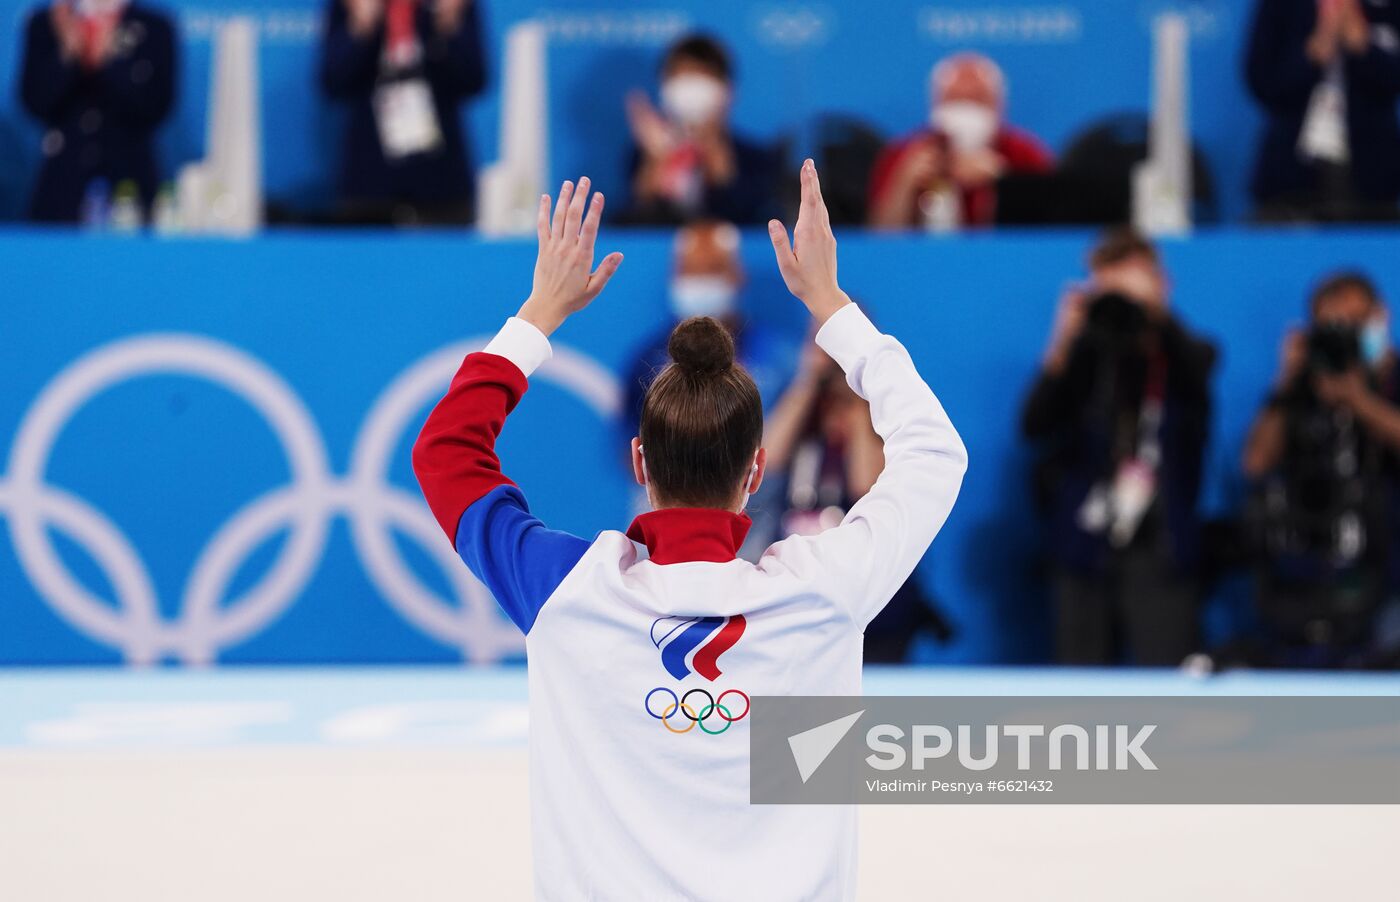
x=1068, y=62
x=204, y=445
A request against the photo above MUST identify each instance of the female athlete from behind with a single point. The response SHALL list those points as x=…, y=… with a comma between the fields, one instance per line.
x=645, y=646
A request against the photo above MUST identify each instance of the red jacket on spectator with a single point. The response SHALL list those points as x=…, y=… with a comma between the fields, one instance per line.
x=1022, y=151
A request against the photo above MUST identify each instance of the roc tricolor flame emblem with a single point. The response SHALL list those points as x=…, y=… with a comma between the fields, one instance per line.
x=694, y=644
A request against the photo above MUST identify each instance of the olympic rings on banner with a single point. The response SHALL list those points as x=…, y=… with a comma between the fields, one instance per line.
x=213, y=611
x=680, y=707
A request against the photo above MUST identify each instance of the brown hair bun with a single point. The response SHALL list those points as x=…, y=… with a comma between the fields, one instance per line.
x=701, y=346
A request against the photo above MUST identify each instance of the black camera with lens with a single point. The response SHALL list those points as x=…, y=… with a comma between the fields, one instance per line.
x=1116, y=317
x=1333, y=348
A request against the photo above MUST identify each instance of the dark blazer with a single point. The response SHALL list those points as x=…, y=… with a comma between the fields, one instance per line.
x=1282, y=79
x=1073, y=421
x=98, y=124
x=454, y=66
x=750, y=199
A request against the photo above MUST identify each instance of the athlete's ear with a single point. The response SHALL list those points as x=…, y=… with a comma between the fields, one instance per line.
x=639, y=465
x=760, y=463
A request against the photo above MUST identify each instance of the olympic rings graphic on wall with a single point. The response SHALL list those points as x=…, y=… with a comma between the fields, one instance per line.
x=681, y=708
x=305, y=507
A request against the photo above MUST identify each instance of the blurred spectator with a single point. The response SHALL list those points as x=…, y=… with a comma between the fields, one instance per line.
x=1122, y=408
x=1327, y=73
x=1323, y=452
x=708, y=280
x=404, y=66
x=824, y=455
x=687, y=163
x=944, y=176
x=100, y=76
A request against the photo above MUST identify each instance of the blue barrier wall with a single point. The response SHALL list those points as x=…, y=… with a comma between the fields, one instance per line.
x=204, y=445
x=1068, y=62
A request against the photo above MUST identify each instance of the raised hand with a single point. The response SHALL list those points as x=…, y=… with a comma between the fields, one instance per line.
x=650, y=130
x=1321, y=46
x=1292, y=358
x=364, y=16
x=808, y=264
x=565, y=281
x=978, y=168
x=919, y=167
x=1353, y=29
x=447, y=15
x=1347, y=389
x=1070, y=317
x=68, y=29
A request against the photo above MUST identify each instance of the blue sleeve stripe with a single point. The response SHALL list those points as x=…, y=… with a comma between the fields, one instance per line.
x=520, y=560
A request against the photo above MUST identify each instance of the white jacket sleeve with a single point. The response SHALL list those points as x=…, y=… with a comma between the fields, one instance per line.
x=863, y=561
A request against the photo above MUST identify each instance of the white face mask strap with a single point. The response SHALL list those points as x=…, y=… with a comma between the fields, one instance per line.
x=641, y=452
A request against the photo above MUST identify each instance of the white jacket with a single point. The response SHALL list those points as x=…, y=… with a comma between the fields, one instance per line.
x=644, y=646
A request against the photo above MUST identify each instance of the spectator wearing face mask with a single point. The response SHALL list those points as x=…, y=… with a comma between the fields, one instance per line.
x=404, y=67
x=1120, y=412
x=944, y=176
x=708, y=280
x=1324, y=457
x=823, y=456
x=687, y=163
x=1327, y=75
x=100, y=77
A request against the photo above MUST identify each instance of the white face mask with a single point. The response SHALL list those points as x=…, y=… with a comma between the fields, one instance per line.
x=99, y=7
x=969, y=126
x=692, y=98
x=1375, y=339
x=697, y=295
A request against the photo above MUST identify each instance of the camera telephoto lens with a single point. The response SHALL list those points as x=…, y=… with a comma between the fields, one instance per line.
x=1115, y=315
x=1333, y=347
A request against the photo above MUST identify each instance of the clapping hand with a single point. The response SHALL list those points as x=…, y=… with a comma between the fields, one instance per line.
x=67, y=29
x=1341, y=24
x=654, y=135
x=447, y=15
x=1346, y=389
x=364, y=16
x=977, y=168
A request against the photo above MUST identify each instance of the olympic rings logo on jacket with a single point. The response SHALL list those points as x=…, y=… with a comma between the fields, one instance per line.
x=680, y=708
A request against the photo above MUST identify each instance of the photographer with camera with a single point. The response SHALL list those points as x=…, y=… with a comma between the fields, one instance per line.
x=824, y=455
x=1122, y=409
x=1322, y=453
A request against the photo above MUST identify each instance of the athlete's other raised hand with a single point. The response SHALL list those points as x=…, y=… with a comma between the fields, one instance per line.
x=565, y=280
x=808, y=264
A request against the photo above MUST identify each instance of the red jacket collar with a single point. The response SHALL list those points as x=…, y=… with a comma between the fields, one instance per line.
x=675, y=535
